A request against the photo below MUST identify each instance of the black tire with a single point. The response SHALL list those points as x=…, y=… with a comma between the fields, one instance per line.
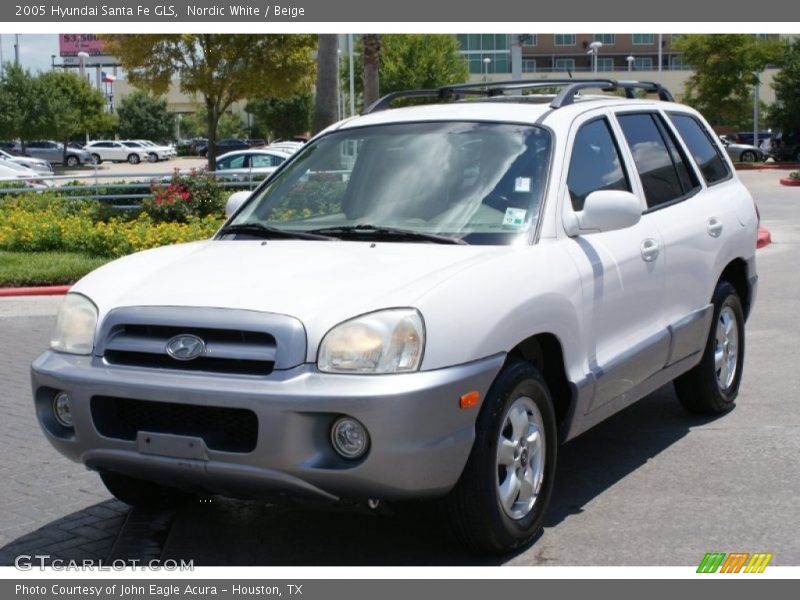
x=796, y=155
x=473, y=509
x=134, y=159
x=152, y=157
x=73, y=161
x=699, y=390
x=96, y=159
x=748, y=156
x=143, y=494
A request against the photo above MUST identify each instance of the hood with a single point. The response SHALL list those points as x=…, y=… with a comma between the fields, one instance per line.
x=320, y=283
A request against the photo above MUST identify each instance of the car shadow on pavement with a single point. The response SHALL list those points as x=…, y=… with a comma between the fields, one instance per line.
x=87, y=534
x=224, y=532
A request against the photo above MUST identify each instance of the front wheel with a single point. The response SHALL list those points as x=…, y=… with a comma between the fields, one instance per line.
x=152, y=157
x=134, y=159
x=500, y=501
x=96, y=159
x=711, y=387
x=72, y=161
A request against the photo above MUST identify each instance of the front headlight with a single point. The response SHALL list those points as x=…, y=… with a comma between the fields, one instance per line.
x=388, y=341
x=75, y=325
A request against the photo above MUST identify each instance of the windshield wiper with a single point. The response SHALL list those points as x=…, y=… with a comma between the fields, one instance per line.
x=267, y=232
x=375, y=231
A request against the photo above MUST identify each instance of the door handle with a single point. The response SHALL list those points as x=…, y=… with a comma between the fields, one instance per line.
x=714, y=227
x=649, y=250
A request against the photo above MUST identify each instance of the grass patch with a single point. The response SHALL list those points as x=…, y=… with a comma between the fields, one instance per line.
x=22, y=269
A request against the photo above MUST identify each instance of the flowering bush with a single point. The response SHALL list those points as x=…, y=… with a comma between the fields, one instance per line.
x=186, y=196
x=34, y=222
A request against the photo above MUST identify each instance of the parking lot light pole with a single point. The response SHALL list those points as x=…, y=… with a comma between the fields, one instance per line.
x=630, y=60
x=82, y=56
x=756, y=87
x=486, y=62
x=594, y=49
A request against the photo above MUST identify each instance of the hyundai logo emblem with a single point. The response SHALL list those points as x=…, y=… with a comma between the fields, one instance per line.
x=185, y=347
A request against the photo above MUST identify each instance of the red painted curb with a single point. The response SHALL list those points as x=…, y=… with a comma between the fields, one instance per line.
x=52, y=290
x=790, y=182
x=767, y=166
x=764, y=238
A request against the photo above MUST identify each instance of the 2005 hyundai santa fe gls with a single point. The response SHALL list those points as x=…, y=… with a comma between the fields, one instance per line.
x=422, y=303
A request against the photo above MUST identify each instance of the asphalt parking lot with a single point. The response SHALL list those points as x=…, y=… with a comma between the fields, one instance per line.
x=650, y=486
x=144, y=170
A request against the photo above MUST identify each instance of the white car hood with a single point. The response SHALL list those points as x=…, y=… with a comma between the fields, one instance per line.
x=320, y=283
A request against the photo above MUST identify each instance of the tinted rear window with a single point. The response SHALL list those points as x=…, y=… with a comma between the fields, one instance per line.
x=705, y=153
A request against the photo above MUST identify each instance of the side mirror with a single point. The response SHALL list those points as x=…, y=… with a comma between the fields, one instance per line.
x=235, y=201
x=605, y=210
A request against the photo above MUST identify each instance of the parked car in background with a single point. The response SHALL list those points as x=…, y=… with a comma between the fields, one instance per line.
x=198, y=146
x=250, y=164
x=114, y=151
x=154, y=153
x=228, y=145
x=786, y=146
x=53, y=152
x=256, y=143
x=167, y=150
x=12, y=173
x=746, y=137
x=42, y=167
x=288, y=146
x=742, y=152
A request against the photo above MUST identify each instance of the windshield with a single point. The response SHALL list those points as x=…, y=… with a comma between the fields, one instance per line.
x=479, y=182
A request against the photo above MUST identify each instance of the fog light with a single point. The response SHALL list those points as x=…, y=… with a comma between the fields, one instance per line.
x=62, y=409
x=349, y=437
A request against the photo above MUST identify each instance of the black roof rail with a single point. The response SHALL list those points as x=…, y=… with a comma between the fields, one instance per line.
x=565, y=97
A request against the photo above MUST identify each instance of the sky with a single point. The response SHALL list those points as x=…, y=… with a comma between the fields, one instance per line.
x=35, y=50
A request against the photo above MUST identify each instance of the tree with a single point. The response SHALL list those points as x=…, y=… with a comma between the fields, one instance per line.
x=410, y=61
x=725, y=68
x=785, y=113
x=326, y=98
x=281, y=118
x=230, y=125
x=19, y=117
x=68, y=105
x=420, y=61
x=143, y=116
x=222, y=68
x=370, y=52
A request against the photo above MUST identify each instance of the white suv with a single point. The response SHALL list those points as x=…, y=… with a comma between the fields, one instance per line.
x=421, y=303
x=114, y=151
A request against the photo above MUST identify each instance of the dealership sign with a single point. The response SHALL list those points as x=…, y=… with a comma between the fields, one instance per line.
x=69, y=44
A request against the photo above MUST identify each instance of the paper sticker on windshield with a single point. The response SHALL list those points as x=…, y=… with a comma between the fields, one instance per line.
x=515, y=216
x=522, y=184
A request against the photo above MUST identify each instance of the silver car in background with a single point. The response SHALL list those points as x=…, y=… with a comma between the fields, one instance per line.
x=742, y=152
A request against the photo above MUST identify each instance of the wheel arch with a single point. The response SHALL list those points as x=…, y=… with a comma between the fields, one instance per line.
x=545, y=352
x=736, y=273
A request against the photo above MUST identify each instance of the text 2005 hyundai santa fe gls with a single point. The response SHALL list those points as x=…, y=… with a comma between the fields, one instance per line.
x=422, y=303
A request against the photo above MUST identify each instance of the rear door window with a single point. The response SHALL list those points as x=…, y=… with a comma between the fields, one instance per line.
x=662, y=168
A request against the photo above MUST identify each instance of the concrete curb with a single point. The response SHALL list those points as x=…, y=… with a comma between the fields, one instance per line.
x=788, y=181
x=767, y=167
x=52, y=290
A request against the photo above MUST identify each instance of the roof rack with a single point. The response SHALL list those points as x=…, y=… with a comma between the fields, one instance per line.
x=567, y=95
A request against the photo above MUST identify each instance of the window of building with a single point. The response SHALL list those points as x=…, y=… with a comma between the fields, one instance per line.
x=643, y=64
x=495, y=47
x=595, y=163
x=605, y=64
x=706, y=154
x=565, y=39
x=642, y=39
x=607, y=39
x=662, y=168
x=529, y=65
x=564, y=64
x=529, y=39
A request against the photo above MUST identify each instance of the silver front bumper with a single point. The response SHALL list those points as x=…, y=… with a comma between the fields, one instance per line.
x=420, y=438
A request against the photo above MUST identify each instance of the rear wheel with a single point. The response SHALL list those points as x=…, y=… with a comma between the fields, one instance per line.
x=144, y=494
x=152, y=157
x=96, y=159
x=499, y=503
x=711, y=387
x=133, y=159
x=748, y=156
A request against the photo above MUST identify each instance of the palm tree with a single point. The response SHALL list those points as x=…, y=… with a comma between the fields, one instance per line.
x=326, y=100
x=371, y=49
